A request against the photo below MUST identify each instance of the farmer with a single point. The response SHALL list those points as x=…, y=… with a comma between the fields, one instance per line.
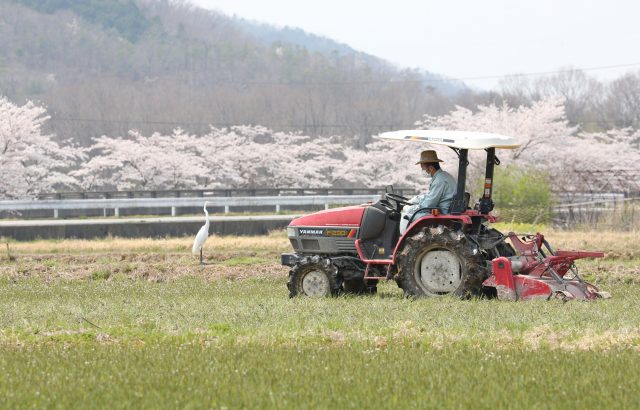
x=442, y=190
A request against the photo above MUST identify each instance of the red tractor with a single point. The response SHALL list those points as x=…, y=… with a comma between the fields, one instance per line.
x=350, y=249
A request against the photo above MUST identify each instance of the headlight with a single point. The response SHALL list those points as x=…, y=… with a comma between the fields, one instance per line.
x=291, y=231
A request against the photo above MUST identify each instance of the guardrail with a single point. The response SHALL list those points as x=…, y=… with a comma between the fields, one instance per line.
x=226, y=192
x=173, y=203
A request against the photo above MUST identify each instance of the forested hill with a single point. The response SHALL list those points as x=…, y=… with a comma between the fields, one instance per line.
x=269, y=34
x=107, y=66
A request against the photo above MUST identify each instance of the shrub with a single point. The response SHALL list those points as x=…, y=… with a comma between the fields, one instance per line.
x=522, y=194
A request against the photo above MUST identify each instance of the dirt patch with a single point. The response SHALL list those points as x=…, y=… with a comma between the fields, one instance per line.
x=155, y=267
x=607, y=274
x=615, y=244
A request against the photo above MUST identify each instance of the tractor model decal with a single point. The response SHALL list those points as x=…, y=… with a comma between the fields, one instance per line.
x=336, y=233
x=311, y=232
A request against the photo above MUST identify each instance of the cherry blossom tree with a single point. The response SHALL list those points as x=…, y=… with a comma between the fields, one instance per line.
x=139, y=162
x=255, y=156
x=246, y=156
x=536, y=127
x=547, y=141
x=31, y=161
x=615, y=150
x=252, y=157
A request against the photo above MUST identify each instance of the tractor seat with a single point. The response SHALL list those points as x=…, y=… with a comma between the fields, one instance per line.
x=453, y=209
x=457, y=208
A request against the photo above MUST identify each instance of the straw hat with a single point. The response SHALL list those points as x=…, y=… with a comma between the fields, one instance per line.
x=428, y=156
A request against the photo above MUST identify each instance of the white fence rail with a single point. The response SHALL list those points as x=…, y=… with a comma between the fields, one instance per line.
x=173, y=203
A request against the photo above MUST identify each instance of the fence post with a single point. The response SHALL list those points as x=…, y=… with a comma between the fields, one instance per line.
x=173, y=211
x=277, y=208
x=226, y=209
x=116, y=212
x=55, y=213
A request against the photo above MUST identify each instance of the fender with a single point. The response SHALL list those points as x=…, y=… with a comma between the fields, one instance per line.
x=464, y=218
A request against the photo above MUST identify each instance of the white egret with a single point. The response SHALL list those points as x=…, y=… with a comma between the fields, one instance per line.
x=202, y=235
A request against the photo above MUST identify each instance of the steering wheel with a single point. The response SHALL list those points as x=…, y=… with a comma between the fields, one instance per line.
x=399, y=199
x=387, y=205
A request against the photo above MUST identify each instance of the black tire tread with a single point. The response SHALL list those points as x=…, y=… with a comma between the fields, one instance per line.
x=441, y=237
x=298, y=271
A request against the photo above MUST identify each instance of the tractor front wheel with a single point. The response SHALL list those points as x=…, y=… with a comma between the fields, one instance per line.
x=439, y=261
x=313, y=277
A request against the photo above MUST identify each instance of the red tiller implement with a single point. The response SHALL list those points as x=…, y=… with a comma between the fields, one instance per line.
x=540, y=272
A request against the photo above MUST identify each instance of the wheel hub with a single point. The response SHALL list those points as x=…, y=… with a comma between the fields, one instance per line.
x=440, y=271
x=316, y=284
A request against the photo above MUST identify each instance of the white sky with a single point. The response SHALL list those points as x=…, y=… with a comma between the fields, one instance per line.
x=467, y=38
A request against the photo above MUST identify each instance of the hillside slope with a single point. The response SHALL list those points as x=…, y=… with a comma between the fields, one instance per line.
x=104, y=67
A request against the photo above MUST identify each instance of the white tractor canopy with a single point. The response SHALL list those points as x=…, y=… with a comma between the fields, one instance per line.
x=454, y=139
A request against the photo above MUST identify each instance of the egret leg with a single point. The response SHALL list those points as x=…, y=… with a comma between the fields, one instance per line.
x=201, y=257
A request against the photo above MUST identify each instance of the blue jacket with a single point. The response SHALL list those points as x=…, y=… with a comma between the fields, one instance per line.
x=442, y=190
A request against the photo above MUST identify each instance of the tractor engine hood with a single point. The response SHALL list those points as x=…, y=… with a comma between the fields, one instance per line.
x=345, y=216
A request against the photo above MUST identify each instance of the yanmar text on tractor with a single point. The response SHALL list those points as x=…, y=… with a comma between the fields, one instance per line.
x=350, y=249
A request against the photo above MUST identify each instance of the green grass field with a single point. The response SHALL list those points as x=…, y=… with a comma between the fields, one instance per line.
x=128, y=324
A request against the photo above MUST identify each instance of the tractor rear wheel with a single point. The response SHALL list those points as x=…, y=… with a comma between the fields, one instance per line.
x=313, y=277
x=439, y=261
